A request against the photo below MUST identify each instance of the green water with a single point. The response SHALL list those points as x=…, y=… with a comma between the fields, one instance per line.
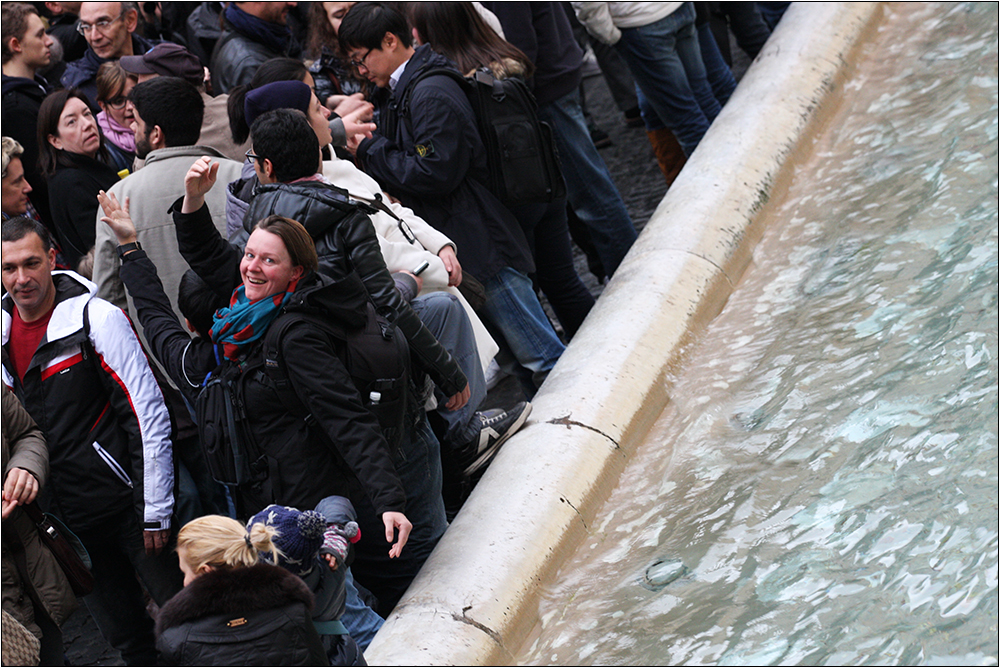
x=823, y=488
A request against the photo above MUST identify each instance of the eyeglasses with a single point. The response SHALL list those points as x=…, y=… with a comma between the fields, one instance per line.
x=361, y=63
x=117, y=103
x=101, y=26
x=252, y=156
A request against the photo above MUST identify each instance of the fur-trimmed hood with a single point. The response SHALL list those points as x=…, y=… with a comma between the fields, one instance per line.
x=233, y=591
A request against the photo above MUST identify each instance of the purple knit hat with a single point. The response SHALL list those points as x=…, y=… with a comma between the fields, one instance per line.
x=277, y=95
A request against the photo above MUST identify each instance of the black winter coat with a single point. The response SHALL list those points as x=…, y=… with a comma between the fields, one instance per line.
x=256, y=616
x=429, y=155
x=341, y=451
x=348, y=245
x=22, y=98
x=236, y=58
x=73, y=200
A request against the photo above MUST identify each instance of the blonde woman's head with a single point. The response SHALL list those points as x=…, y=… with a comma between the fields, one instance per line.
x=216, y=542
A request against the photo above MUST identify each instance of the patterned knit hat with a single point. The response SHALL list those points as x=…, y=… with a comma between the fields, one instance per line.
x=299, y=537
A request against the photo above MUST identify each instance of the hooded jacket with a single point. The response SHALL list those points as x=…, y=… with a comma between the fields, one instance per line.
x=95, y=399
x=254, y=616
x=347, y=244
x=428, y=153
x=341, y=451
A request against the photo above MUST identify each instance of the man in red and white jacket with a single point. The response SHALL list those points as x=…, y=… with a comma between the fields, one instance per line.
x=76, y=364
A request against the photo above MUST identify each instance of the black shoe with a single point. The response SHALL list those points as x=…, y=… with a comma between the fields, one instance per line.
x=497, y=426
x=633, y=118
x=599, y=137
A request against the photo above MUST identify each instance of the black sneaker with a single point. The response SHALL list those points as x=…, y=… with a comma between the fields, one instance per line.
x=497, y=426
x=600, y=138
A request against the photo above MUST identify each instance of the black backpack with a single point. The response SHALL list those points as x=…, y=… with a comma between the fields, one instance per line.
x=376, y=356
x=520, y=151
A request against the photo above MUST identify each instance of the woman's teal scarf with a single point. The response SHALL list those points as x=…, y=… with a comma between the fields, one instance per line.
x=245, y=321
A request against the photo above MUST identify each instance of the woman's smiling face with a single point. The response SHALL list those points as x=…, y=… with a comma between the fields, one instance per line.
x=266, y=267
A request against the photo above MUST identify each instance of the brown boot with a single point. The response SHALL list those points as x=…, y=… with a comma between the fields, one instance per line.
x=669, y=153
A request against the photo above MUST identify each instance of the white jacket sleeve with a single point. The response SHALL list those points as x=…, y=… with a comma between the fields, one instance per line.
x=596, y=18
x=141, y=409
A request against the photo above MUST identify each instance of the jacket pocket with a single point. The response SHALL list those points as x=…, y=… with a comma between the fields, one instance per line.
x=112, y=464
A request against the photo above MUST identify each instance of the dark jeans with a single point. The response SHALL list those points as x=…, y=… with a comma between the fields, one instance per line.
x=548, y=237
x=421, y=476
x=665, y=60
x=118, y=553
x=446, y=319
x=591, y=190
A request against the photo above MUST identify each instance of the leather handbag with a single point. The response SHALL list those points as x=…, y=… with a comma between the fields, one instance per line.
x=66, y=547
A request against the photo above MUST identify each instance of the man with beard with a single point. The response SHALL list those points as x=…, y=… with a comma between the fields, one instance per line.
x=167, y=117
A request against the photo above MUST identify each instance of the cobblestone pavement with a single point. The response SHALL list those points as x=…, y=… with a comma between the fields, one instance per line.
x=631, y=162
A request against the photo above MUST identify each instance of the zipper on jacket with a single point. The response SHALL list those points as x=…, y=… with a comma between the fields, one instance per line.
x=112, y=464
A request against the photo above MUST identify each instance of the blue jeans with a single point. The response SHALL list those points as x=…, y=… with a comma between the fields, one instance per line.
x=665, y=60
x=118, y=554
x=360, y=620
x=589, y=186
x=445, y=318
x=720, y=77
x=515, y=317
x=420, y=473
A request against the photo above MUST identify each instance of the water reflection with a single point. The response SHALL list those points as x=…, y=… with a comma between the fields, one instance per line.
x=831, y=497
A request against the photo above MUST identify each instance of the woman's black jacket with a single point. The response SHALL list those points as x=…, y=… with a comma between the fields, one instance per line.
x=254, y=616
x=340, y=450
x=73, y=192
x=346, y=243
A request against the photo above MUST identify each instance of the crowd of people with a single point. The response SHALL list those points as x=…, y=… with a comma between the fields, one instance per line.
x=237, y=191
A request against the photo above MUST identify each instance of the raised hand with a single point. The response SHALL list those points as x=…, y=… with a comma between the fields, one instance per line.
x=116, y=217
x=197, y=182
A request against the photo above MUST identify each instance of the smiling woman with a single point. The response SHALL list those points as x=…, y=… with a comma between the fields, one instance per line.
x=77, y=165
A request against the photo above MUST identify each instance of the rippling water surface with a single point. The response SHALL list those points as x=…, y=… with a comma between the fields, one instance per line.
x=823, y=488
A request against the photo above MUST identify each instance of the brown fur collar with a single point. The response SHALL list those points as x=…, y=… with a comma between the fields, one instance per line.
x=237, y=590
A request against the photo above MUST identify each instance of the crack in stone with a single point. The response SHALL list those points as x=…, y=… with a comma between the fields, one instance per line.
x=576, y=510
x=482, y=627
x=567, y=422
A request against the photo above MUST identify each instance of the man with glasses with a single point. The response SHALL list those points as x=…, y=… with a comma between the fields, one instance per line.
x=427, y=152
x=110, y=30
x=26, y=49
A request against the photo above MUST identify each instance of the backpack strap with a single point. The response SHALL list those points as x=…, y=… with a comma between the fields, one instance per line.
x=275, y=368
x=401, y=108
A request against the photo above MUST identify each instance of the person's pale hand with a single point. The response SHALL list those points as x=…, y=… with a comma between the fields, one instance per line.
x=419, y=280
x=331, y=560
x=459, y=399
x=197, y=182
x=117, y=217
x=19, y=488
x=396, y=521
x=345, y=104
x=451, y=265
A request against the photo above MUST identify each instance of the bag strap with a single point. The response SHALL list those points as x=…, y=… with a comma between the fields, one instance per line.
x=333, y=627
